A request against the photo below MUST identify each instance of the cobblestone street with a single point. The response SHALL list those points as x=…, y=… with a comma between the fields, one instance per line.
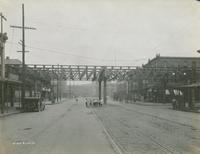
x=151, y=129
x=99, y=77
x=70, y=127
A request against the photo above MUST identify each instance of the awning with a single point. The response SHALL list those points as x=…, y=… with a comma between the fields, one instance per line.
x=11, y=81
x=191, y=85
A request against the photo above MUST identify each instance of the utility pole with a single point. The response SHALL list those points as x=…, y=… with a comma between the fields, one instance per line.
x=105, y=86
x=3, y=38
x=57, y=86
x=23, y=53
x=53, y=90
x=2, y=18
x=57, y=83
x=70, y=88
x=60, y=78
x=100, y=88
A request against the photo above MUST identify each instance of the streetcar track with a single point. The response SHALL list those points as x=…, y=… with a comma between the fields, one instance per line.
x=165, y=148
x=116, y=147
x=154, y=116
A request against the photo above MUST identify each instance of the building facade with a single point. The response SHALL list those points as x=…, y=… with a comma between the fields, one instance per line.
x=159, y=78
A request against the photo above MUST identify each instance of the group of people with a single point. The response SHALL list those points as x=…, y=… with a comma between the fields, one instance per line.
x=93, y=102
x=176, y=98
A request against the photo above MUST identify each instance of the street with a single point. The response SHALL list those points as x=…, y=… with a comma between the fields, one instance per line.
x=99, y=77
x=152, y=129
x=70, y=127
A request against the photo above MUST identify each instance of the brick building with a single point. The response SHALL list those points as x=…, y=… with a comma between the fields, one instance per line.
x=167, y=73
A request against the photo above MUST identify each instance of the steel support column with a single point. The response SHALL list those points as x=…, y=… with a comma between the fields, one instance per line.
x=100, y=90
x=57, y=93
x=52, y=91
x=60, y=89
x=30, y=91
x=35, y=88
x=105, y=91
x=12, y=94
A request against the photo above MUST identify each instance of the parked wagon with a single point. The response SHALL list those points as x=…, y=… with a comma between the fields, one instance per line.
x=97, y=102
x=33, y=104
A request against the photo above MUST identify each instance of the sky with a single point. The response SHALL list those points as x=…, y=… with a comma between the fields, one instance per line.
x=102, y=32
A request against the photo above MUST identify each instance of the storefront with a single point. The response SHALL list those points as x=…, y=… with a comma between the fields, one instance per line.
x=11, y=94
x=192, y=95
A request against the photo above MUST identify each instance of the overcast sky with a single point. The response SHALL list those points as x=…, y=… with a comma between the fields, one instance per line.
x=103, y=32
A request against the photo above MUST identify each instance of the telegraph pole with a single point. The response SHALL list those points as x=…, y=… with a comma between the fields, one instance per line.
x=105, y=86
x=23, y=53
x=57, y=86
x=70, y=91
x=3, y=38
x=2, y=18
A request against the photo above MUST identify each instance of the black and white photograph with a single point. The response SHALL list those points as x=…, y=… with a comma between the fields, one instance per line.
x=99, y=76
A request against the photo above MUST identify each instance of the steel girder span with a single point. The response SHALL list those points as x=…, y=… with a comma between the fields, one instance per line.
x=83, y=72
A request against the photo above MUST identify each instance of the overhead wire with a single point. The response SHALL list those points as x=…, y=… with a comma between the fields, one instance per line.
x=12, y=37
x=75, y=55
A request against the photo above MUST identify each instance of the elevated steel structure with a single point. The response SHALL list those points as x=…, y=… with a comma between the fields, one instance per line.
x=79, y=73
x=47, y=73
x=83, y=72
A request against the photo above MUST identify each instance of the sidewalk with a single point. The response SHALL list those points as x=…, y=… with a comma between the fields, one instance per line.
x=161, y=105
x=165, y=105
x=151, y=103
x=50, y=102
x=10, y=111
x=140, y=103
x=15, y=110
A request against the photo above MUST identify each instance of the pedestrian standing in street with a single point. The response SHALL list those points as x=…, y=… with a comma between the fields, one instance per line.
x=167, y=95
x=100, y=102
x=175, y=100
x=86, y=102
x=90, y=102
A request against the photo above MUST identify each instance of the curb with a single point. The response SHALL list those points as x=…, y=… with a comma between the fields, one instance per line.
x=55, y=103
x=150, y=104
x=9, y=114
x=17, y=112
x=114, y=145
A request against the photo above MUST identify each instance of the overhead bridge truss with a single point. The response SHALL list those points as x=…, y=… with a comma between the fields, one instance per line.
x=83, y=72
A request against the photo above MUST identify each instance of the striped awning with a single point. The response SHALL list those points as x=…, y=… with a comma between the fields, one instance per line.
x=191, y=85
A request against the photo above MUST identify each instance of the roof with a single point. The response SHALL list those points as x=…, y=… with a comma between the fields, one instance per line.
x=12, y=61
x=171, y=58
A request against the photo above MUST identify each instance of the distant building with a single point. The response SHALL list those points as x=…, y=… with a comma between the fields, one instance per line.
x=12, y=82
x=11, y=74
x=9, y=61
x=166, y=61
x=167, y=73
x=35, y=82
